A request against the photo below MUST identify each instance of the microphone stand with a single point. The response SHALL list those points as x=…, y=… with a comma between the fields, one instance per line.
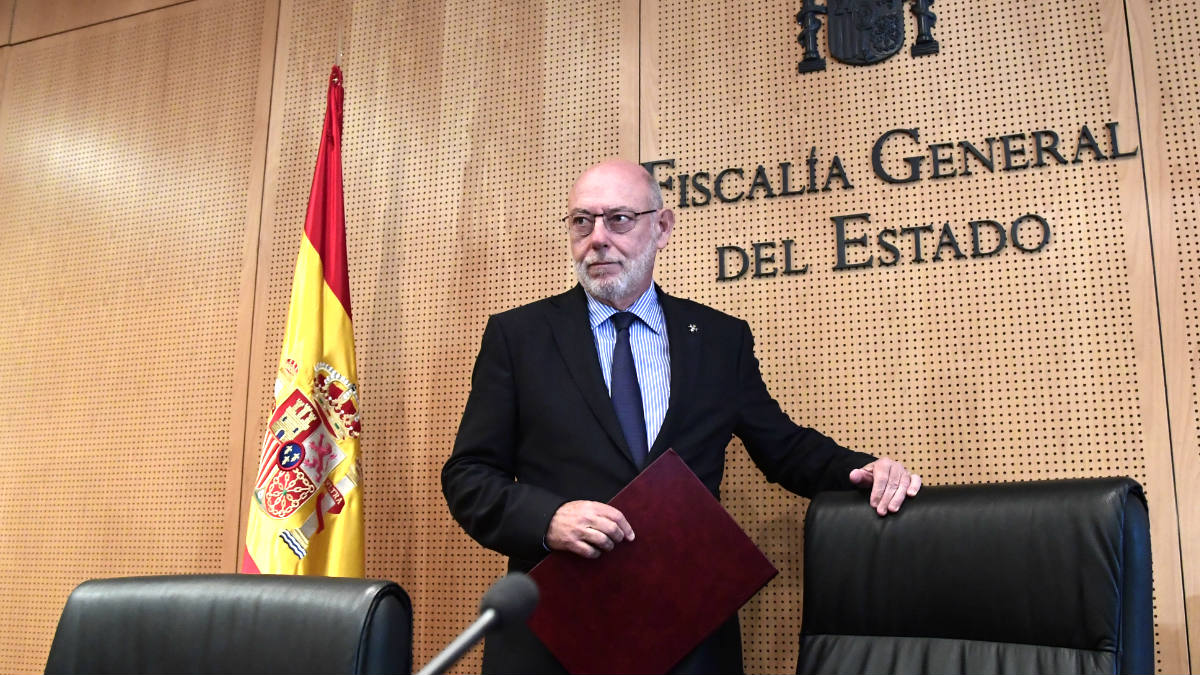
x=461, y=644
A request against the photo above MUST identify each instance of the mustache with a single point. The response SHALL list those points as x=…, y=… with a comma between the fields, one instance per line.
x=593, y=258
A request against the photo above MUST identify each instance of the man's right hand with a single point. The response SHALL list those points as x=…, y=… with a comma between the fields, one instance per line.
x=587, y=528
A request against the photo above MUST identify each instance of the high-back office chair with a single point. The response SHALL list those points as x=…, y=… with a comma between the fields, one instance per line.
x=233, y=623
x=1042, y=577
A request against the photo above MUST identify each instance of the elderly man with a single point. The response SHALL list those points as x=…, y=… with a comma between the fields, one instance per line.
x=573, y=395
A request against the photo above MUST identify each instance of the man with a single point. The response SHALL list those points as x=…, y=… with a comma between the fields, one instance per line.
x=572, y=395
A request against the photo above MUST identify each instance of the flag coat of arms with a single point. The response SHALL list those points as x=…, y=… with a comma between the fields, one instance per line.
x=306, y=504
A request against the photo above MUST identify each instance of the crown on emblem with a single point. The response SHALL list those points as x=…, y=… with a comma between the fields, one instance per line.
x=338, y=398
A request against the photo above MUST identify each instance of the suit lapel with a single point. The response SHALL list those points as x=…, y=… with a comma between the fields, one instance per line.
x=685, y=354
x=573, y=334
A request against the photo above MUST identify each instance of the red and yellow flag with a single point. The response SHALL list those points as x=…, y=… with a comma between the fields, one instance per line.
x=306, y=506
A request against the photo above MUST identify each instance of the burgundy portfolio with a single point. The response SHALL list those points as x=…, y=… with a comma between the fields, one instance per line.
x=643, y=606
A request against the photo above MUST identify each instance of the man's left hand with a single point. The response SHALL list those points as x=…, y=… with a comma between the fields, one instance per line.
x=890, y=484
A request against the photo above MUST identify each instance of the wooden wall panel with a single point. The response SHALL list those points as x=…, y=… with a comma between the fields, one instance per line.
x=32, y=19
x=1166, y=60
x=6, y=13
x=465, y=123
x=132, y=156
x=1015, y=366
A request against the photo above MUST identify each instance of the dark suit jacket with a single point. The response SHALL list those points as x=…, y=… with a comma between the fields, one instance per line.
x=539, y=430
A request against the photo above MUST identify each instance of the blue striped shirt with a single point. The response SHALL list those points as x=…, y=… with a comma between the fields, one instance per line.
x=651, y=354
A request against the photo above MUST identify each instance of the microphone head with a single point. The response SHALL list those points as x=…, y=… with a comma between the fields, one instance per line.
x=513, y=598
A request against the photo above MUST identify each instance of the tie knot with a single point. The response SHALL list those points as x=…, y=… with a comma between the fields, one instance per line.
x=622, y=320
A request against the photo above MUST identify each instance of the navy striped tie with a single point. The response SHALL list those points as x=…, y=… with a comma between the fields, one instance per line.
x=626, y=394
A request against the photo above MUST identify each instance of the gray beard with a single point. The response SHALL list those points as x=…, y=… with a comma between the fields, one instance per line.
x=610, y=291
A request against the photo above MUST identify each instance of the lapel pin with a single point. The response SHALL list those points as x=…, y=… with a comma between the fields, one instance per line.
x=692, y=328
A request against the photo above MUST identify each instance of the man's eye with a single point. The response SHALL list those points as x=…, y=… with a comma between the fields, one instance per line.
x=618, y=218
x=580, y=221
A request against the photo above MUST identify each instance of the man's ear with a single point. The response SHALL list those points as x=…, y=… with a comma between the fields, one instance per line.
x=666, y=224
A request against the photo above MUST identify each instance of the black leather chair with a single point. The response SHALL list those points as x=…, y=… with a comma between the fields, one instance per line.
x=233, y=623
x=1041, y=577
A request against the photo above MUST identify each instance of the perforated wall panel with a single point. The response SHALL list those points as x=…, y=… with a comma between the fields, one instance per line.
x=1168, y=90
x=129, y=155
x=465, y=123
x=37, y=18
x=1018, y=365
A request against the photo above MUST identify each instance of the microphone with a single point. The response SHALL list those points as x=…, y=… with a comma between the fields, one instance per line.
x=509, y=601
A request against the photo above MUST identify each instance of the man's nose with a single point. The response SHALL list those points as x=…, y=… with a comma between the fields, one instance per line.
x=600, y=235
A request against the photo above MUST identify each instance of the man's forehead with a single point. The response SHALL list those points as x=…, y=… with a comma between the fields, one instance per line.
x=609, y=185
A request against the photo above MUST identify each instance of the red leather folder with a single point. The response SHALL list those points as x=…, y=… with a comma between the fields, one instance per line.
x=643, y=606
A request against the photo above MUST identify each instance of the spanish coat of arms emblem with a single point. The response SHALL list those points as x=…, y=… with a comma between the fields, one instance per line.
x=862, y=32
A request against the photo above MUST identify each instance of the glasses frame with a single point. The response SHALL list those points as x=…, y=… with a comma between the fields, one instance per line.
x=606, y=214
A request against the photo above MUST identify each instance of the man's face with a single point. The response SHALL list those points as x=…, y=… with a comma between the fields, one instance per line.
x=615, y=268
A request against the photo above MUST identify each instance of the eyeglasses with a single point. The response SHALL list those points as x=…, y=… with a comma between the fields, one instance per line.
x=618, y=221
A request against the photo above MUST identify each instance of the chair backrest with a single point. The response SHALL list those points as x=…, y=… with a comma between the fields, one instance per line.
x=234, y=623
x=1040, y=577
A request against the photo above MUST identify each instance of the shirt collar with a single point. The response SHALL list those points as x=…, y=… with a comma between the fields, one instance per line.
x=645, y=308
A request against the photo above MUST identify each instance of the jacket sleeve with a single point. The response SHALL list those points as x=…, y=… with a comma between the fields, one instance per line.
x=479, y=479
x=800, y=459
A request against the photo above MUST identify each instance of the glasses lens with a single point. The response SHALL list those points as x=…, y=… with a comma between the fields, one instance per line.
x=620, y=220
x=581, y=223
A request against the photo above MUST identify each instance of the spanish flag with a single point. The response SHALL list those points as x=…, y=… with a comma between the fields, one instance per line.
x=306, y=506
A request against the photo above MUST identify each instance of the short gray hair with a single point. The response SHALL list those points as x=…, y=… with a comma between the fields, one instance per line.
x=656, y=198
